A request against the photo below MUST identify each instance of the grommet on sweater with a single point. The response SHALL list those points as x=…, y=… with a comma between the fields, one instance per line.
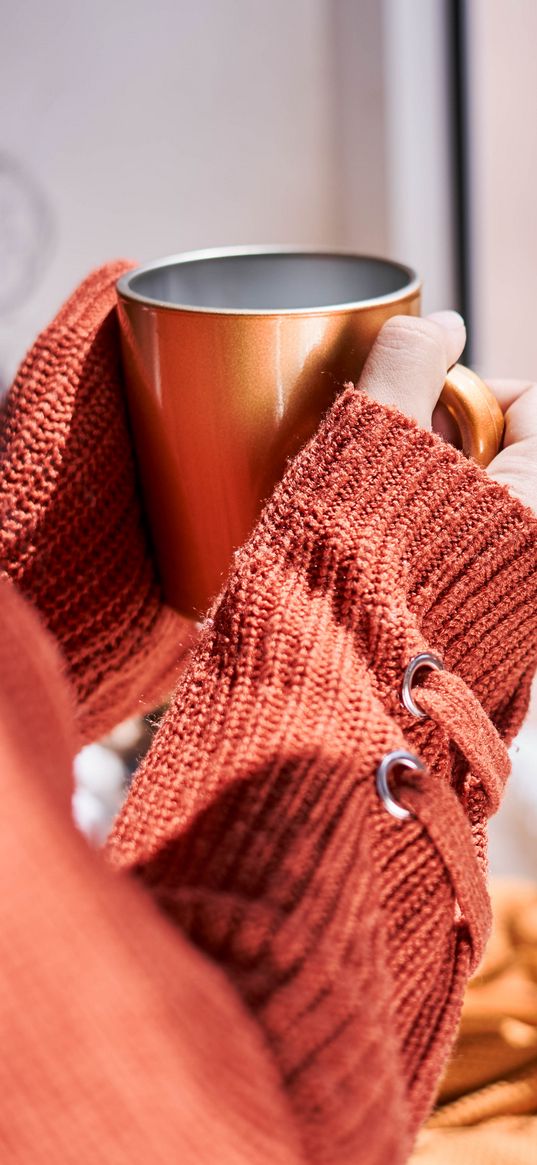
x=425, y=659
x=399, y=758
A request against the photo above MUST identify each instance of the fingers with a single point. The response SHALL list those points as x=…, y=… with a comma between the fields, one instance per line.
x=516, y=464
x=518, y=399
x=407, y=365
x=516, y=469
x=508, y=391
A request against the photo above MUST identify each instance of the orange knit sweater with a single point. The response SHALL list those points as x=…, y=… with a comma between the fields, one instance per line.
x=266, y=966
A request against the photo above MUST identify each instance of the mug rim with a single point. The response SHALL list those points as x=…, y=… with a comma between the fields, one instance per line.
x=410, y=289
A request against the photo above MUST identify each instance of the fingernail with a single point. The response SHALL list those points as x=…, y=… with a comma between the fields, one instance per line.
x=451, y=320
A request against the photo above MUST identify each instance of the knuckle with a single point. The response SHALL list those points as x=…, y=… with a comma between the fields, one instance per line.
x=412, y=333
x=523, y=411
x=530, y=395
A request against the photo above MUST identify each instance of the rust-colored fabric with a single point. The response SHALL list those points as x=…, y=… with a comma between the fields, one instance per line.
x=121, y=1044
x=344, y=937
x=486, y=1112
x=72, y=533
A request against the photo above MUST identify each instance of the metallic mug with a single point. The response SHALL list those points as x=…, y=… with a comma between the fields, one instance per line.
x=231, y=357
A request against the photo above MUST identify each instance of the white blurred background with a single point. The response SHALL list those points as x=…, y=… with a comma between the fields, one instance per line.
x=400, y=127
x=142, y=128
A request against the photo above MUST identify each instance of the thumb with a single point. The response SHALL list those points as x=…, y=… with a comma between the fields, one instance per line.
x=408, y=362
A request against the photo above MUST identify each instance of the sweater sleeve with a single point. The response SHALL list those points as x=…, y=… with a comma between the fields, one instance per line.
x=121, y=1043
x=255, y=818
x=72, y=531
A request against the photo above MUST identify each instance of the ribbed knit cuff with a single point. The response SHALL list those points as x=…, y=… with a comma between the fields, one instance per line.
x=421, y=549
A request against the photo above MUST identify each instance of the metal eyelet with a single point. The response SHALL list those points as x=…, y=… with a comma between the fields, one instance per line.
x=398, y=758
x=424, y=660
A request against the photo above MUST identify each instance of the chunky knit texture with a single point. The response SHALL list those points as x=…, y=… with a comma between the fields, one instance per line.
x=254, y=821
x=121, y=1044
x=72, y=533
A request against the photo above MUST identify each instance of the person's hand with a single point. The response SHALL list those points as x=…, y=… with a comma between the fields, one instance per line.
x=516, y=464
x=406, y=369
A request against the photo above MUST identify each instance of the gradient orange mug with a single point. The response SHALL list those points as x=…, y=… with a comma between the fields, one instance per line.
x=231, y=356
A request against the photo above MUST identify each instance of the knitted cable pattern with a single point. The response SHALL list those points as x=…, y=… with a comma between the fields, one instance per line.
x=72, y=532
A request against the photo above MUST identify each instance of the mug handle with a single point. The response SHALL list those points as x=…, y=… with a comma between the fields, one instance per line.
x=476, y=413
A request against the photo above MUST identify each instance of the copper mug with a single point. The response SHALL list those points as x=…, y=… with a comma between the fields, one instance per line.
x=231, y=356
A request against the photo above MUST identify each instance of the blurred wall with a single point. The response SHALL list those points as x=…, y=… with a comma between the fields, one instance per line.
x=420, y=175
x=147, y=128
x=140, y=129
x=502, y=156
x=502, y=140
